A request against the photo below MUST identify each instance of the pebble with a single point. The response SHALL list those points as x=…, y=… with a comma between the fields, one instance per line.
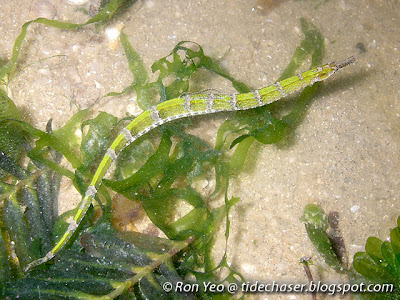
x=44, y=9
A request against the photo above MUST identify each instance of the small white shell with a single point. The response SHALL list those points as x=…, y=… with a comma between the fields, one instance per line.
x=112, y=34
x=78, y=2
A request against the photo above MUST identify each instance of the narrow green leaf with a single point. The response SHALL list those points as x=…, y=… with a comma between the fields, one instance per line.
x=190, y=195
x=313, y=43
x=16, y=227
x=95, y=142
x=239, y=156
x=48, y=140
x=32, y=288
x=105, y=245
x=228, y=205
x=8, y=110
x=315, y=222
x=12, y=139
x=47, y=192
x=5, y=271
x=68, y=132
x=134, y=62
x=38, y=230
x=154, y=165
x=108, y=11
x=194, y=220
x=149, y=243
x=102, y=16
x=9, y=166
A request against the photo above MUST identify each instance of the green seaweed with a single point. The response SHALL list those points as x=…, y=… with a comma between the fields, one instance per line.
x=160, y=175
x=12, y=138
x=104, y=15
x=378, y=265
x=316, y=225
x=260, y=124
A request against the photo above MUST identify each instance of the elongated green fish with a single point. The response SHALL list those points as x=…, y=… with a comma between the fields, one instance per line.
x=184, y=106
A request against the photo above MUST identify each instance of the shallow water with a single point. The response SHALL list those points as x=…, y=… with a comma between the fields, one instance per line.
x=343, y=156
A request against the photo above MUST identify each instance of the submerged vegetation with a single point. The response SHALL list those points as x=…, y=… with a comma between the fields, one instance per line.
x=159, y=173
x=378, y=267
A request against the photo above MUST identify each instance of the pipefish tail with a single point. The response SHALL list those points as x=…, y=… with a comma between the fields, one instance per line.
x=181, y=107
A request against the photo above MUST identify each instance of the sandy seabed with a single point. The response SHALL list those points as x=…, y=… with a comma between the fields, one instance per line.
x=344, y=156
